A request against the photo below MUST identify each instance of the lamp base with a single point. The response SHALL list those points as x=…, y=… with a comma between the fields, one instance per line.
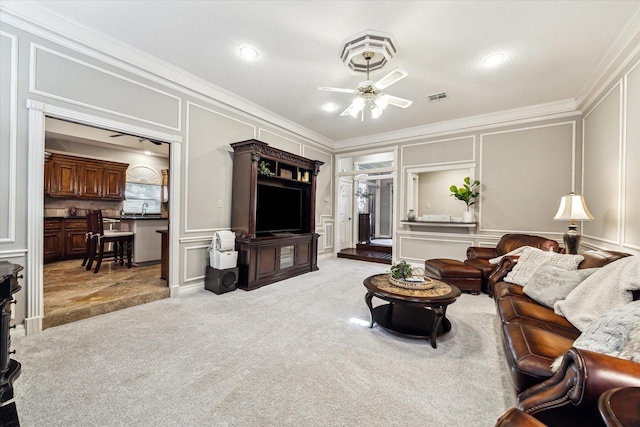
x=571, y=240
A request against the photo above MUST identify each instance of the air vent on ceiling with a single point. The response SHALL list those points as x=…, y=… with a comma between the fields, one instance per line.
x=438, y=97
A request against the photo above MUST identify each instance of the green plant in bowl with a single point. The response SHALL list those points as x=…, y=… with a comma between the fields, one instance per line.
x=401, y=270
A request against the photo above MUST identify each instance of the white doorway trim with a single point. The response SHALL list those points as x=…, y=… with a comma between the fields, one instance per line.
x=38, y=111
x=385, y=173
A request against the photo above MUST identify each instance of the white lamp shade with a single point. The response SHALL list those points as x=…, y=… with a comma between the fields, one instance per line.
x=573, y=207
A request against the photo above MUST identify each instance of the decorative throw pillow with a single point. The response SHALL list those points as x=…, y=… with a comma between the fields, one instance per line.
x=551, y=283
x=532, y=258
x=609, y=287
x=516, y=251
x=616, y=334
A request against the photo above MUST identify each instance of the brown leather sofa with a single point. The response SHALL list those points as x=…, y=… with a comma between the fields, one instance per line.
x=479, y=257
x=533, y=336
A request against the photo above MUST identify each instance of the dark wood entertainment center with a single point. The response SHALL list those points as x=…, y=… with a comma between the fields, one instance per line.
x=273, y=213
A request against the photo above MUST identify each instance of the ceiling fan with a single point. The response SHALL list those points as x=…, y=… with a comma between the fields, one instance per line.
x=369, y=93
x=140, y=139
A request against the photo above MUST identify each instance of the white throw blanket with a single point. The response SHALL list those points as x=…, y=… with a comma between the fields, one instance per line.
x=605, y=289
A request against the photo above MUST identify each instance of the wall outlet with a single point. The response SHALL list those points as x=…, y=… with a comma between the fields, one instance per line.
x=219, y=203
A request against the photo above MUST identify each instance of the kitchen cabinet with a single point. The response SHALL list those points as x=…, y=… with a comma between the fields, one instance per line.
x=78, y=177
x=52, y=240
x=75, y=244
x=64, y=178
x=64, y=238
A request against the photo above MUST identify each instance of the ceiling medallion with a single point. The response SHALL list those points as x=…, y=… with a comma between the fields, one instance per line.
x=380, y=43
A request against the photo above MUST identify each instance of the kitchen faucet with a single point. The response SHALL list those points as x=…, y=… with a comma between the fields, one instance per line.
x=144, y=208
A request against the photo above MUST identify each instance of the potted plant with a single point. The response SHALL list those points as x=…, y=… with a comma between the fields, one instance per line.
x=468, y=193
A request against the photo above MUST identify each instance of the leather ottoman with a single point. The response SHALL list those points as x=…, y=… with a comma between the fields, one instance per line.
x=453, y=272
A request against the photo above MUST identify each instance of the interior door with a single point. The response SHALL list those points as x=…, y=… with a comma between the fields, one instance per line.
x=345, y=210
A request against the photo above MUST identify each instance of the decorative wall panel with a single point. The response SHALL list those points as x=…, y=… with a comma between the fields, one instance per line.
x=523, y=173
x=444, y=151
x=601, y=152
x=8, y=138
x=209, y=167
x=58, y=76
x=631, y=231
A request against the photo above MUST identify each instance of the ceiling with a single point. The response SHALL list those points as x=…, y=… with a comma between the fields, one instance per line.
x=552, y=48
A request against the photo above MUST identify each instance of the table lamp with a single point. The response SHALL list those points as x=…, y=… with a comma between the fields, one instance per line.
x=572, y=208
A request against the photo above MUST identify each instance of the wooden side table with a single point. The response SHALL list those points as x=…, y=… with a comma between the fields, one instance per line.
x=620, y=407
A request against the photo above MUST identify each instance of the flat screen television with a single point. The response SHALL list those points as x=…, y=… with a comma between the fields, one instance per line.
x=278, y=209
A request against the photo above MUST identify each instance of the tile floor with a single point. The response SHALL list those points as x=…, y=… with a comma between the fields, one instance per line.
x=72, y=293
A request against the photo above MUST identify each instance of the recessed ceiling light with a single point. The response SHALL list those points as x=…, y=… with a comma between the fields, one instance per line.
x=494, y=59
x=147, y=152
x=248, y=52
x=329, y=106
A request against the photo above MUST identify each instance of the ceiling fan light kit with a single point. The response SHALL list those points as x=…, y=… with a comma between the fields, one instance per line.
x=368, y=93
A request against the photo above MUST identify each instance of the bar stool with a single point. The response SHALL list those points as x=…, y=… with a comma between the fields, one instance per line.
x=120, y=240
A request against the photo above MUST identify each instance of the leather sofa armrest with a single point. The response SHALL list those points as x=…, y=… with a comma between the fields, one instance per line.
x=504, y=267
x=573, y=391
x=475, y=252
x=516, y=418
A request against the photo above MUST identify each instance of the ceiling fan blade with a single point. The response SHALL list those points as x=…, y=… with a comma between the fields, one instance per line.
x=399, y=102
x=395, y=75
x=347, y=111
x=337, y=89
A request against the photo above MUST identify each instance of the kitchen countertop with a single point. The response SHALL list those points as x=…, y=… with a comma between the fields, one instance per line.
x=140, y=217
x=128, y=217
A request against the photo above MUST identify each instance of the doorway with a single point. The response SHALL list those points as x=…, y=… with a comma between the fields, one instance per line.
x=121, y=175
x=365, y=184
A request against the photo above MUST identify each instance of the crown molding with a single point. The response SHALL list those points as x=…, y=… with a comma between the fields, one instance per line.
x=618, y=57
x=534, y=113
x=55, y=28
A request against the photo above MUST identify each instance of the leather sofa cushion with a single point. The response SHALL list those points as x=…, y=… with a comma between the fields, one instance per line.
x=530, y=351
x=510, y=290
x=600, y=258
x=511, y=310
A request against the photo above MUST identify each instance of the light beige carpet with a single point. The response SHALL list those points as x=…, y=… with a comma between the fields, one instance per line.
x=295, y=353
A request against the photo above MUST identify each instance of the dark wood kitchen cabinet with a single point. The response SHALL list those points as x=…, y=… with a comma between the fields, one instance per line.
x=52, y=240
x=64, y=238
x=78, y=177
x=63, y=178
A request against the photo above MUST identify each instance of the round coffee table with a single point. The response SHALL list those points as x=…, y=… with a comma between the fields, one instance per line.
x=410, y=313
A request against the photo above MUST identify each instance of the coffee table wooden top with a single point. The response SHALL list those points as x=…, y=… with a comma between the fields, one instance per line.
x=441, y=293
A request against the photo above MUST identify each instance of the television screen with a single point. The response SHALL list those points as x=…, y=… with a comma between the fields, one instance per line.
x=278, y=209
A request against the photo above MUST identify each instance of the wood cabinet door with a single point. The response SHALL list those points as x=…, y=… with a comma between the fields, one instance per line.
x=113, y=183
x=52, y=240
x=90, y=181
x=64, y=182
x=303, y=254
x=75, y=244
x=267, y=261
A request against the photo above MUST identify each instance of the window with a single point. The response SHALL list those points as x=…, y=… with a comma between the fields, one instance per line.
x=142, y=198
